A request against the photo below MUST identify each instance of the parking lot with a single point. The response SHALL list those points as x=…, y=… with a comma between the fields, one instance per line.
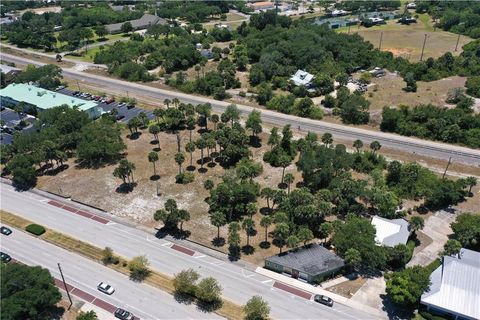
x=12, y=119
x=124, y=113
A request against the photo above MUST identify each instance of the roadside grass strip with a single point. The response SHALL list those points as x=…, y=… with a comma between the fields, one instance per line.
x=157, y=279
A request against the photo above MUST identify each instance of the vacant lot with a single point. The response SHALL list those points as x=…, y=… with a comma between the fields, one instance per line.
x=387, y=91
x=98, y=187
x=406, y=41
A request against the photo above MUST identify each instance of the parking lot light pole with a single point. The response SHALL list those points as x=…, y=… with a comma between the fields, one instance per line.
x=65, y=285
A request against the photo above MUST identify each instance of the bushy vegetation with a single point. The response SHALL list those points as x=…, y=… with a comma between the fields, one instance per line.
x=466, y=230
x=48, y=76
x=192, y=11
x=458, y=125
x=35, y=229
x=454, y=16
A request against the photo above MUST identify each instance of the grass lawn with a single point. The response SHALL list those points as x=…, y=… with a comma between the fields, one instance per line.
x=406, y=41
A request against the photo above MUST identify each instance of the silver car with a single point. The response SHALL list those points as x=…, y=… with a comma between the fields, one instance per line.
x=105, y=288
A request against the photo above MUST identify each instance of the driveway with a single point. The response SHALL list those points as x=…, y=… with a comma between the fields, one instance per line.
x=437, y=227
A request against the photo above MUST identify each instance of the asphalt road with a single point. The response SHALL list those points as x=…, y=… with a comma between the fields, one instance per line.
x=239, y=284
x=406, y=144
x=142, y=300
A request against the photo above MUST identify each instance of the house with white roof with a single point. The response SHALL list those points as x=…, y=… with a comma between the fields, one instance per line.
x=302, y=78
x=455, y=286
x=390, y=232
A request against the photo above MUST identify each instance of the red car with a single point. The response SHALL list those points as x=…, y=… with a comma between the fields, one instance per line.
x=110, y=100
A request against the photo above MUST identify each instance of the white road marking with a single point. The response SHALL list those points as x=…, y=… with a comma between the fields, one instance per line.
x=267, y=281
x=167, y=244
x=200, y=256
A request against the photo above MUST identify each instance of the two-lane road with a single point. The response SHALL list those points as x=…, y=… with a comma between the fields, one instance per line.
x=349, y=133
x=239, y=284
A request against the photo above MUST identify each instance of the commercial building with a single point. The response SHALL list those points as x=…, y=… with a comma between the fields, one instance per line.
x=43, y=99
x=262, y=6
x=144, y=22
x=390, y=232
x=455, y=287
x=311, y=263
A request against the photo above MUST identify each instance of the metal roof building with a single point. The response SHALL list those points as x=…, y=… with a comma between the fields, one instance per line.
x=302, y=78
x=455, y=287
x=144, y=22
x=390, y=232
x=45, y=99
x=308, y=263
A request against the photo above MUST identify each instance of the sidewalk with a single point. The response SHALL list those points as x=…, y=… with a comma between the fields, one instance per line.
x=317, y=290
x=101, y=314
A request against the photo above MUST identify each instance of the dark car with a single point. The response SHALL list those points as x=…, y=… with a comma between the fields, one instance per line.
x=120, y=117
x=323, y=300
x=5, y=257
x=123, y=314
x=130, y=106
x=6, y=231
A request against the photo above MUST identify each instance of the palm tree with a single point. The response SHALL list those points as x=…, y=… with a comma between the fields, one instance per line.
x=417, y=223
x=190, y=122
x=327, y=138
x=142, y=116
x=284, y=161
x=158, y=113
x=153, y=157
x=155, y=130
x=248, y=225
x=218, y=220
x=358, y=144
x=175, y=102
x=215, y=119
x=375, y=146
x=265, y=223
x=167, y=102
x=292, y=241
x=201, y=144
x=179, y=159
x=289, y=178
x=471, y=182
x=190, y=147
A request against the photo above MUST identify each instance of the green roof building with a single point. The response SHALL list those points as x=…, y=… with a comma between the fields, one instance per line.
x=44, y=99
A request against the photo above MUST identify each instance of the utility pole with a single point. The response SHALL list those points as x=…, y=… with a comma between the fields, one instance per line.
x=458, y=40
x=448, y=165
x=65, y=285
x=348, y=29
x=78, y=85
x=128, y=95
x=380, y=44
x=423, y=47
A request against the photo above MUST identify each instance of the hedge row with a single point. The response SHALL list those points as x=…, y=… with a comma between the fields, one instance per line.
x=35, y=229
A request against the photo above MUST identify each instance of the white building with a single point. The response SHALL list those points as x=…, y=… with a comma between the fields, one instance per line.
x=302, y=78
x=390, y=232
x=455, y=287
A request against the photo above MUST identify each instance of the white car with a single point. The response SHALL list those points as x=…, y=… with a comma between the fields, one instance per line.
x=105, y=288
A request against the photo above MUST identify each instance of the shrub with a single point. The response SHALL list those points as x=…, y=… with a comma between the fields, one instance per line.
x=184, y=178
x=35, y=229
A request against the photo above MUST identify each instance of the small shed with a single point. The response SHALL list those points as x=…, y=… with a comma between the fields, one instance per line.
x=310, y=263
x=302, y=78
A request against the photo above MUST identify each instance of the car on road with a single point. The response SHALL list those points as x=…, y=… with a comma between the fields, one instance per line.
x=123, y=314
x=323, y=300
x=5, y=257
x=6, y=231
x=105, y=288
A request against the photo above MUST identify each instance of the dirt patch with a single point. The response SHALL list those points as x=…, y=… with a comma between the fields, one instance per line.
x=348, y=288
x=387, y=91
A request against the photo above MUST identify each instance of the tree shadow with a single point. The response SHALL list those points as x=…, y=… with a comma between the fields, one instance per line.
x=214, y=154
x=265, y=211
x=202, y=170
x=126, y=187
x=211, y=164
x=209, y=306
x=134, y=136
x=300, y=184
x=54, y=312
x=248, y=250
x=233, y=253
x=205, y=160
x=282, y=185
x=191, y=168
x=218, y=242
x=255, y=142
x=394, y=311
x=183, y=298
x=155, y=177
x=56, y=170
x=265, y=245
x=157, y=149
x=154, y=141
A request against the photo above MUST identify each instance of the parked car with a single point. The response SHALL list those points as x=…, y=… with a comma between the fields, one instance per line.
x=323, y=300
x=130, y=106
x=110, y=100
x=123, y=314
x=59, y=88
x=5, y=257
x=105, y=288
x=6, y=231
x=120, y=117
x=76, y=93
x=97, y=98
x=122, y=104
